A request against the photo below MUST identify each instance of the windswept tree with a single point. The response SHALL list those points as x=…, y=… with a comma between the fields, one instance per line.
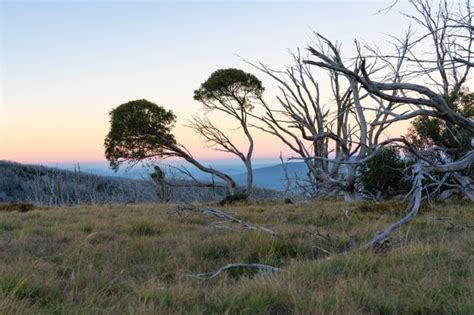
x=232, y=92
x=141, y=130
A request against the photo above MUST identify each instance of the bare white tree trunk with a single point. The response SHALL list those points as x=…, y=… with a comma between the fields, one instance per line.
x=416, y=199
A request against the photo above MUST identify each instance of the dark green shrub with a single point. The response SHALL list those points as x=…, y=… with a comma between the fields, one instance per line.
x=231, y=199
x=385, y=175
x=20, y=207
x=426, y=132
x=7, y=226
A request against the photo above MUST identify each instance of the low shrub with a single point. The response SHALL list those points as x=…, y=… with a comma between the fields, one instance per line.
x=232, y=199
x=385, y=175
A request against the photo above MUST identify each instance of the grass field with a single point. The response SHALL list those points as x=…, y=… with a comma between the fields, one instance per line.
x=138, y=258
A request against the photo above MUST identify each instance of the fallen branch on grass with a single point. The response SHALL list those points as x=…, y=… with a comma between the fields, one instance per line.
x=225, y=218
x=260, y=268
x=416, y=190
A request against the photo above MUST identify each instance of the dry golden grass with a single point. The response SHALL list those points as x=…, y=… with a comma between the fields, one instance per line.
x=135, y=258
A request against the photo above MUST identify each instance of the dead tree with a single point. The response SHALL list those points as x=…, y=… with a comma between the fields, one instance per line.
x=327, y=137
x=449, y=30
x=451, y=36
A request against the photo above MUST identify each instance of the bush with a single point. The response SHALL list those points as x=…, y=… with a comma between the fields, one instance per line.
x=384, y=175
x=20, y=207
x=231, y=199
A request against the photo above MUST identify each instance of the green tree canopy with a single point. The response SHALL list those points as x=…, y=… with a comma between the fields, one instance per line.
x=139, y=130
x=427, y=132
x=228, y=85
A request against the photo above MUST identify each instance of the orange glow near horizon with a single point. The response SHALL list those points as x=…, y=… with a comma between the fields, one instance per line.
x=57, y=145
x=65, y=65
x=48, y=140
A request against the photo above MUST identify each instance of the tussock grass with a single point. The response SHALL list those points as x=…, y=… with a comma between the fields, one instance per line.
x=141, y=229
x=135, y=258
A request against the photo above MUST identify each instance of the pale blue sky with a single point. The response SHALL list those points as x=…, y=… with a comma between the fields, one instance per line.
x=66, y=64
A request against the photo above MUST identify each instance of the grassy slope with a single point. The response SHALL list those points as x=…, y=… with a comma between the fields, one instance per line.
x=119, y=259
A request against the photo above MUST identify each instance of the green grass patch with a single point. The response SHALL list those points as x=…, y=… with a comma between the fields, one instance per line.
x=138, y=258
x=141, y=229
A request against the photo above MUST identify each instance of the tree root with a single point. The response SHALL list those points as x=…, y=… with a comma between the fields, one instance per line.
x=224, y=217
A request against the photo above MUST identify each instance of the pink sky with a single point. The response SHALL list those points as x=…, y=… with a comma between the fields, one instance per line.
x=66, y=65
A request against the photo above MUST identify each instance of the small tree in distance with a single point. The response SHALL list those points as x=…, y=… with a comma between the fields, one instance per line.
x=141, y=130
x=159, y=178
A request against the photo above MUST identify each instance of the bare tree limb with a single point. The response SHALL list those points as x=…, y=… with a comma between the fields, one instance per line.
x=260, y=268
x=417, y=189
x=223, y=216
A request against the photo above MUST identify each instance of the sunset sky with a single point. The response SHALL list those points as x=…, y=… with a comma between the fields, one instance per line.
x=66, y=64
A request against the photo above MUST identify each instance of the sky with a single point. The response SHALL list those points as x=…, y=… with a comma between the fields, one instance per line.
x=66, y=64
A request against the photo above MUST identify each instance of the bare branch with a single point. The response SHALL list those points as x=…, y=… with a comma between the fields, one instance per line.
x=260, y=268
x=223, y=216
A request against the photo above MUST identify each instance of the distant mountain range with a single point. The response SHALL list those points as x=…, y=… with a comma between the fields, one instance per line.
x=270, y=177
x=273, y=177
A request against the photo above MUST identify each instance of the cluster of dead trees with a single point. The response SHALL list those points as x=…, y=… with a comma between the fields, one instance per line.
x=423, y=78
x=40, y=185
x=20, y=183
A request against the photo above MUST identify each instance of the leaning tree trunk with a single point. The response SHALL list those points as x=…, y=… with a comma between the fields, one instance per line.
x=231, y=186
